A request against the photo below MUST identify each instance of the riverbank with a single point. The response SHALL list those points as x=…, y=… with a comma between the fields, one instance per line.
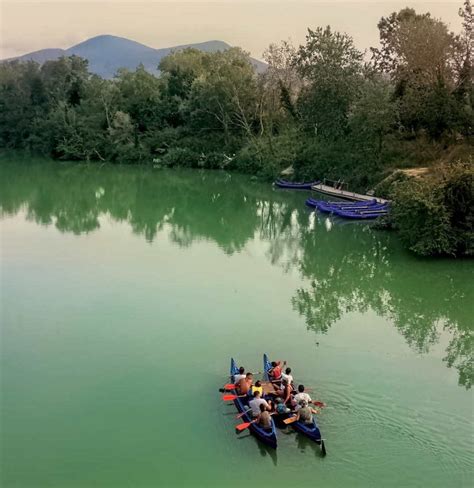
x=432, y=211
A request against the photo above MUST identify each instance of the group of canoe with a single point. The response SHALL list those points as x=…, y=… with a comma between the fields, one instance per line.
x=351, y=210
x=358, y=210
x=274, y=402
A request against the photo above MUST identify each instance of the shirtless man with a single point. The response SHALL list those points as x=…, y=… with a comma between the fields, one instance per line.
x=264, y=419
x=244, y=385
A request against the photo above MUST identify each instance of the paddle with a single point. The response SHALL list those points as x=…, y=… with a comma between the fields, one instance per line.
x=242, y=414
x=244, y=426
x=229, y=386
x=229, y=398
x=291, y=420
x=323, y=448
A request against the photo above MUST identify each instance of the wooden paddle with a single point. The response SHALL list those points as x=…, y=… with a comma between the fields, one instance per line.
x=290, y=420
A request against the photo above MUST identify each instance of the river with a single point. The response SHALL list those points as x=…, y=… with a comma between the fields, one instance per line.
x=125, y=292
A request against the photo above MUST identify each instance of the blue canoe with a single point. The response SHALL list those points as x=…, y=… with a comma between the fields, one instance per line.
x=312, y=430
x=330, y=207
x=362, y=214
x=266, y=436
x=296, y=186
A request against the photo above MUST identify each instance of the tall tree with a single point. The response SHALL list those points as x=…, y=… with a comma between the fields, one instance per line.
x=331, y=68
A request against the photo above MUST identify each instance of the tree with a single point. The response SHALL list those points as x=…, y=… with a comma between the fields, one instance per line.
x=416, y=52
x=223, y=97
x=331, y=68
x=464, y=69
x=281, y=81
x=140, y=97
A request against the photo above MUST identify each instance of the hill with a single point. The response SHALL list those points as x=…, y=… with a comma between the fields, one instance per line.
x=106, y=54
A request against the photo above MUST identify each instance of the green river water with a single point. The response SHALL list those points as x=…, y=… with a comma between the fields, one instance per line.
x=125, y=291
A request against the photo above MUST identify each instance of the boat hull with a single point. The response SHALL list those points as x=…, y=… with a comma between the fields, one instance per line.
x=295, y=186
x=311, y=430
x=267, y=437
x=359, y=211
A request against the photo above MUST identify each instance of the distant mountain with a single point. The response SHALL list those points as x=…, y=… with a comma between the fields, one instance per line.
x=106, y=54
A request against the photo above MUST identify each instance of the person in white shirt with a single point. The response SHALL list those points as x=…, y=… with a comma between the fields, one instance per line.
x=287, y=376
x=256, y=402
x=239, y=376
x=301, y=396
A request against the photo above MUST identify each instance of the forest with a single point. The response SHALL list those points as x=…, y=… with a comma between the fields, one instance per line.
x=325, y=109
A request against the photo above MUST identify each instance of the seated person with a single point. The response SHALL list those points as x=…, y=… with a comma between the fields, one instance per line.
x=240, y=375
x=244, y=385
x=302, y=395
x=274, y=372
x=264, y=419
x=285, y=393
x=281, y=408
x=305, y=413
x=257, y=387
x=256, y=402
x=287, y=376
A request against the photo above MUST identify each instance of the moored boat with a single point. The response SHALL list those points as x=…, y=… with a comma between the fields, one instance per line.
x=266, y=436
x=362, y=214
x=312, y=430
x=330, y=206
x=295, y=185
x=357, y=210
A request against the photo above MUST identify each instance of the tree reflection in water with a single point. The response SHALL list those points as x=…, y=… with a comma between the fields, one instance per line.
x=349, y=267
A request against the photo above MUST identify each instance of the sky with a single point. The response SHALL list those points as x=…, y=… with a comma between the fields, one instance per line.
x=29, y=25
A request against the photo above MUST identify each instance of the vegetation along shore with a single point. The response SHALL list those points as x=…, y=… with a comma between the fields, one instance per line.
x=397, y=119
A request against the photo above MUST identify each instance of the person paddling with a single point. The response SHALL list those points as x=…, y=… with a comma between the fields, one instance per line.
x=285, y=393
x=305, y=413
x=244, y=385
x=287, y=376
x=257, y=402
x=264, y=419
x=275, y=371
x=281, y=408
x=239, y=376
x=302, y=396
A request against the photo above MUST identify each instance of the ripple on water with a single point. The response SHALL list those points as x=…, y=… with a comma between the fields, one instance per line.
x=400, y=430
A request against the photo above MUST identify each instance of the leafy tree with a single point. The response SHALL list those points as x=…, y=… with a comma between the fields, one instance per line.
x=331, y=67
x=140, y=97
x=417, y=52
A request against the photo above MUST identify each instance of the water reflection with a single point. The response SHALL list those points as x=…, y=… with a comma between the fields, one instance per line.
x=349, y=267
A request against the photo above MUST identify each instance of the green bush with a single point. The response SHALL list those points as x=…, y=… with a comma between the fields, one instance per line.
x=180, y=156
x=435, y=214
